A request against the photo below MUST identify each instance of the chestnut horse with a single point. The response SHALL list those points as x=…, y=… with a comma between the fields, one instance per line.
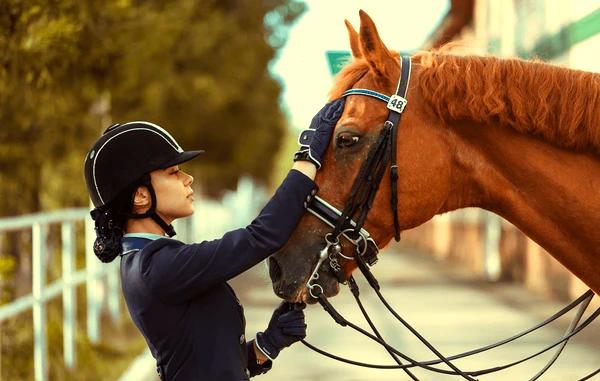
x=520, y=139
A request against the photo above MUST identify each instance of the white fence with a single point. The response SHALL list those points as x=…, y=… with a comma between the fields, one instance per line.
x=102, y=280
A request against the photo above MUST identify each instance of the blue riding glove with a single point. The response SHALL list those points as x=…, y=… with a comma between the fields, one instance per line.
x=286, y=327
x=314, y=140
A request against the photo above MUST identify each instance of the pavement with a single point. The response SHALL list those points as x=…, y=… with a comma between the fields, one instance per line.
x=454, y=310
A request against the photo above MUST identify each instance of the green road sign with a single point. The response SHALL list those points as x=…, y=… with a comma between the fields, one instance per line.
x=337, y=59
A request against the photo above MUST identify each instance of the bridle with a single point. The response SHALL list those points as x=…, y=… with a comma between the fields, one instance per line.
x=364, y=189
x=348, y=223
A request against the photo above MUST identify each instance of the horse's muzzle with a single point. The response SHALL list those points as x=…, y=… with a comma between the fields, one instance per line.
x=274, y=270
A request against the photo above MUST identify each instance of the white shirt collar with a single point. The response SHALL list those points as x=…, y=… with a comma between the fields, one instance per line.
x=151, y=236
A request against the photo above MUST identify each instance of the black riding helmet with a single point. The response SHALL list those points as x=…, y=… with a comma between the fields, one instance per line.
x=124, y=155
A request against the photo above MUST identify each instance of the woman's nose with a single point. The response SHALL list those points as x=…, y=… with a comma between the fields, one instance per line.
x=189, y=179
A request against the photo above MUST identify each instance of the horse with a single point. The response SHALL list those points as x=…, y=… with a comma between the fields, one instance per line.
x=518, y=138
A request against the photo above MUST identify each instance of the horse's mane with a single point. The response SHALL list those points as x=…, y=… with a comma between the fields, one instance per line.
x=561, y=106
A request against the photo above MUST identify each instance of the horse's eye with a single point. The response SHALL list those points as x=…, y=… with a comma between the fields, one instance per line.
x=347, y=139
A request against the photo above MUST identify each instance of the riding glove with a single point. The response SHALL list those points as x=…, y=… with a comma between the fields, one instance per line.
x=286, y=327
x=314, y=140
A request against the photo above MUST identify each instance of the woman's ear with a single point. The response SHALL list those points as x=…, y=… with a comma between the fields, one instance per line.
x=141, y=200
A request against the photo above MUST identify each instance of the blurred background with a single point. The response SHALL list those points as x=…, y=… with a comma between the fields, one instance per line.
x=240, y=79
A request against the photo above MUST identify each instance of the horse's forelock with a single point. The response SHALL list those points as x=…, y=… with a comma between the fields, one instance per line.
x=349, y=75
x=352, y=73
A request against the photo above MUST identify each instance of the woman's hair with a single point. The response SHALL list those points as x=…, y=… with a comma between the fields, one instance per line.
x=110, y=222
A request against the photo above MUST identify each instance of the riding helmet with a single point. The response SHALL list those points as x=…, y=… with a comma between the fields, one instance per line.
x=127, y=152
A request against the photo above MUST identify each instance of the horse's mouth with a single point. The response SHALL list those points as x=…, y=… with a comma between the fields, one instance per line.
x=329, y=285
x=303, y=294
x=275, y=272
x=330, y=289
x=295, y=289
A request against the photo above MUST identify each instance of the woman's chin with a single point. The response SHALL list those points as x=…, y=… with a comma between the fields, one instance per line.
x=183, y=213
x=189, y=211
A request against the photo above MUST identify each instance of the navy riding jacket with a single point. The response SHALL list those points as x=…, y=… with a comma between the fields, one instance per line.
x=178, y=297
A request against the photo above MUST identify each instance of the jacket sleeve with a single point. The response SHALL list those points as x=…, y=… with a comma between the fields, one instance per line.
x=177, y=272
x=254, y=367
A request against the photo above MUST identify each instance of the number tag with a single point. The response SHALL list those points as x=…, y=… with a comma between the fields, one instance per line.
x=397, y=103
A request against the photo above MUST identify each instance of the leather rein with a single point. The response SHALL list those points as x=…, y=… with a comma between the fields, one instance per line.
x=348, y=224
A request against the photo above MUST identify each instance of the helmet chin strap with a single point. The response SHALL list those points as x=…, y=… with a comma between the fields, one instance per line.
x=167, y=228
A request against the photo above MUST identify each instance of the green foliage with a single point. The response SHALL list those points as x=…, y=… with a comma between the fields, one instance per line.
x=67, y=68
x=284, y=157
x=199, y=68
x=104, y=361
x=7, y=268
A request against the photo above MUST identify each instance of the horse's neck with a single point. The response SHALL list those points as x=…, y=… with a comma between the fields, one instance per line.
x=551, y=194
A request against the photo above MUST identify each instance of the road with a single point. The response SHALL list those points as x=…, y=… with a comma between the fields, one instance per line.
x=454, y=310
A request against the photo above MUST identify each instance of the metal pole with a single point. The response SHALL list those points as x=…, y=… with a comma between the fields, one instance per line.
x=193, y=227
x=40, y=348
x=113, y=290
x=178, y=226
x=92, y=287
x=69, y=295
x=188, y=229
x=493, y=230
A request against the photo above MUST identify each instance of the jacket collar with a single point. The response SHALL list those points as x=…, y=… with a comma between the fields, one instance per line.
x=137, y=241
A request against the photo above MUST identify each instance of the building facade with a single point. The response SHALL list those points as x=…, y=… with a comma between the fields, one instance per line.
x=565, y=33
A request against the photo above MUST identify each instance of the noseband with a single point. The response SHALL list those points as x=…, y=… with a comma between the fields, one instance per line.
x=363, y=190
x=349, y=222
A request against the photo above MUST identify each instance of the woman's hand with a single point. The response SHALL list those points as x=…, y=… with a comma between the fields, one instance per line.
x=286, y=327
x=315, y=140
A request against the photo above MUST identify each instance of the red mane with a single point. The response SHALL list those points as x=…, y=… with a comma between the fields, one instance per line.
x=561, y=106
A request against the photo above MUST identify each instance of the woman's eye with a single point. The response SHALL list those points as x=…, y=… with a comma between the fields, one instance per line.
x=346, y=139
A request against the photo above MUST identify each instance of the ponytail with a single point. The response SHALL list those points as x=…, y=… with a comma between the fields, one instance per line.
x=109, y=233
x=110, y=221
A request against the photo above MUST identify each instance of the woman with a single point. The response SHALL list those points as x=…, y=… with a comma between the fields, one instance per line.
x=177, y=294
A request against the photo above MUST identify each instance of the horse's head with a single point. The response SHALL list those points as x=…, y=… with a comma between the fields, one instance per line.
x=422, y=158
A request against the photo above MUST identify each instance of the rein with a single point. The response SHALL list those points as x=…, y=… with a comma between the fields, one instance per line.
x=573, y=329
x=348, y=224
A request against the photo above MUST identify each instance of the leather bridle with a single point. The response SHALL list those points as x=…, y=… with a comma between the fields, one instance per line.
x=348, y=224
x=364, y=189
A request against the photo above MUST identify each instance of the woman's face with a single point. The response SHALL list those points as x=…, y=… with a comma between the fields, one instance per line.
x=174, y=194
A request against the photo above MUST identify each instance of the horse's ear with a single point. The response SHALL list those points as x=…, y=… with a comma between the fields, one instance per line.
x=373, y=50
x=353, y=36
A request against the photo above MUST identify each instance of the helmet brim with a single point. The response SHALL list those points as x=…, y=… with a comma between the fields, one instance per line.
x=182, y=158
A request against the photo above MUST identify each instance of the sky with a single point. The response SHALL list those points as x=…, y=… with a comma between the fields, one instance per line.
x=302, y=66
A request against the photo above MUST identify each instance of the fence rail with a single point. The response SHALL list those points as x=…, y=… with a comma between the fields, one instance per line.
x=41, y=292
x=101, y=280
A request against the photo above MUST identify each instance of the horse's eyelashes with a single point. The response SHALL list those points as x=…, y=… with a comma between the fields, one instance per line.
x=346, y=139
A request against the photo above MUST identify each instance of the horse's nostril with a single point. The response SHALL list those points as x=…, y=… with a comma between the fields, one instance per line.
x=274, y=270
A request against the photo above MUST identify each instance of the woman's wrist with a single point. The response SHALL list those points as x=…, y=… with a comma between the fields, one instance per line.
x=306, y=167
x=260, y=357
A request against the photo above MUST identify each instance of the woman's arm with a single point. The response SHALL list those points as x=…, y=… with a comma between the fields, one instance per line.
x=260, y=357
x=177, y=271
x=306, y=167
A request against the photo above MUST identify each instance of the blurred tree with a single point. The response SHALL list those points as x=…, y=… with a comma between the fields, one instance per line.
x=199, y=68
x=67, y=67
x=201, y=71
